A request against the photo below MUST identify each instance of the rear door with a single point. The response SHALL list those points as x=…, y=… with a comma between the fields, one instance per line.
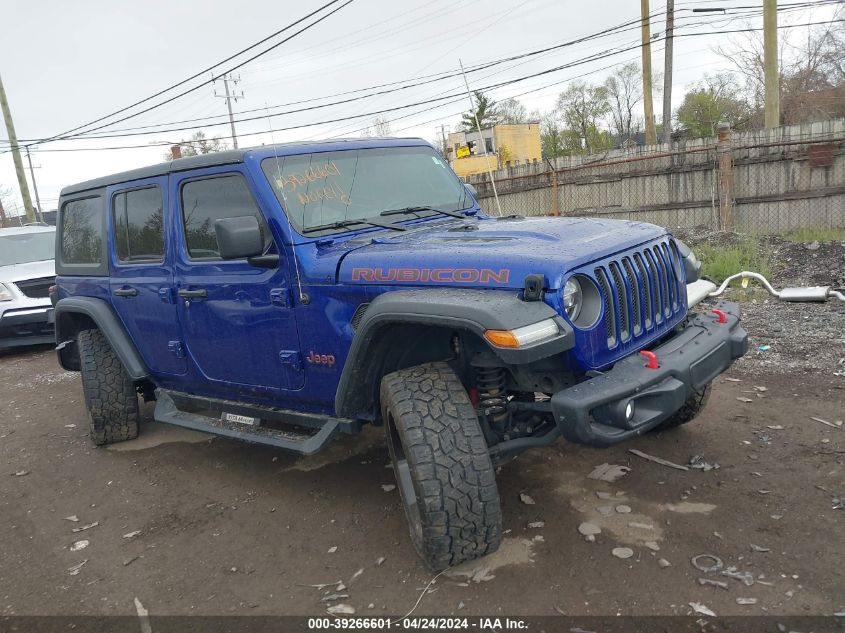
x=141, y=283
x=238, y=323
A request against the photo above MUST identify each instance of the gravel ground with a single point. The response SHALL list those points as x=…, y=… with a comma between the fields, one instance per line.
x=801, y=337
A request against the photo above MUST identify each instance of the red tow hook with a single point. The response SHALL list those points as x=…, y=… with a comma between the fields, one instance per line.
x=652, y=360
x=723, y=318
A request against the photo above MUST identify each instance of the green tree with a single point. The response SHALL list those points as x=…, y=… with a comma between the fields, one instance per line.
x=485, y=111
x=582, y=107
x=717, y=98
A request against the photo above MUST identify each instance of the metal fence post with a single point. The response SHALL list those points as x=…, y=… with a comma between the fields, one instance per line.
x=724, y=154
x=553, y=181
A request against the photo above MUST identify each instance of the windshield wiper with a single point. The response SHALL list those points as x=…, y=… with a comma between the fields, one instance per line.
x=344, y=223
x=454, y=214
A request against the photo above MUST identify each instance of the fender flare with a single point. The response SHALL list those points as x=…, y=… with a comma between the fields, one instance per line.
x=458, y=309
x=102, y=314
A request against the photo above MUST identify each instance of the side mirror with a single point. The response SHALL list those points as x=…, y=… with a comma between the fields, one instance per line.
x=238, y=238
x=472, y=190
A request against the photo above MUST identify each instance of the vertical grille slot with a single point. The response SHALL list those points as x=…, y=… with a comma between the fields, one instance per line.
x=621, y=302
x=648, y=302
x=635, y=295
x=609, y=306
x=662, y=273
x=657, y=288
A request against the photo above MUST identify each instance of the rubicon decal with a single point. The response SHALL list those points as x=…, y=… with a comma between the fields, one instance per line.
x=433, y=275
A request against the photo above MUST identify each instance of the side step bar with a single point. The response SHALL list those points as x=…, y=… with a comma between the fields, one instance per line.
x=167, y=411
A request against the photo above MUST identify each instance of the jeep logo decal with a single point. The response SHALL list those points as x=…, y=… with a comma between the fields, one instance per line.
x=433, y=275
x=320, y=359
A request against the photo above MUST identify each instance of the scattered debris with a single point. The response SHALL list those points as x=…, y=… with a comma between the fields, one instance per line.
x=759, y=548
x=764, y=348
x=341, y=609
x=559, y=610
x=619, y=496
x=698, y=462
x=622, y=552
x=701, y=609
x=760, y=388
x=73, y=571
x=130, y=535
x=21, y=473
x=356, y=574
x=835, y=425
x=388, y=487
x=321, y=586
x=526, y=499
x=640, y=526
x=746, y=600
x=605, y=511
x=537, y=524
x=143, y=617
x=663, y=563
x=333, y=597
x=129, y=561
x=656, y=460
x=713, y=583
x=652, y=545
x=589, y=529
x=745, y=577
x=332, y=549
x=86, y=527
x=744, y=399
x=715, y=563
x=79, y=545
x=732, y=379
x=73, y=518
x=461, y=605
x=608, y=472
x=775, y=427
x=380, y=561
x=623, y=509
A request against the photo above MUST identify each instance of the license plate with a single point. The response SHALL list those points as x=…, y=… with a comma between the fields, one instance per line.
x=240, y=419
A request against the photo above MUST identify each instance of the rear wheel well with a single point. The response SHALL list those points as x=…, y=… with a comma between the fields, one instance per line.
x=68, y=327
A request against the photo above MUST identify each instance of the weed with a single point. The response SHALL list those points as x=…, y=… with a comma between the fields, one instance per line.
x=816, y=235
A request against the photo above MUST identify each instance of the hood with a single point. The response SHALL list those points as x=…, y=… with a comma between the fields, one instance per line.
x=30, y=270
x=491, y=252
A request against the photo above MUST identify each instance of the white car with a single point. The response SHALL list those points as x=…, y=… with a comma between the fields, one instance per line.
x=26, y=273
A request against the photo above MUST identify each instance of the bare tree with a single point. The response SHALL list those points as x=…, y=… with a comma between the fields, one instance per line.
x=625, y=92
x=379, y=128
x=512, y=111
x=199, y=143
x=582, y=107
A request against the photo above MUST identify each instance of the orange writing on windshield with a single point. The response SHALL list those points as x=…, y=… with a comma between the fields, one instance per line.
x=293, y=181
x=332, y=192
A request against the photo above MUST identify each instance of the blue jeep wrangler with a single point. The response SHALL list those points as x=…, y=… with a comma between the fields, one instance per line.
x=286, y=294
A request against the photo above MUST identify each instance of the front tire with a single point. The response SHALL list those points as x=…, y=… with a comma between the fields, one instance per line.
x=687, y=413
x=442, y=465
x=110, y=394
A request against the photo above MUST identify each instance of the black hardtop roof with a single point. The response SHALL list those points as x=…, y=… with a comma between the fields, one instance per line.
x=213, y=159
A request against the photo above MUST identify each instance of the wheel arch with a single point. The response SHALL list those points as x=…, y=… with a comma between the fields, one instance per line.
x=404, y=328
x=74, y=314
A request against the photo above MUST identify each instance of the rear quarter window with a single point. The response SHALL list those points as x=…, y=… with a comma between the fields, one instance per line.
x=81, y=244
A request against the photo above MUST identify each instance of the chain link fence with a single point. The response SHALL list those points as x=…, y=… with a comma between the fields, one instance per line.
x=764, y=182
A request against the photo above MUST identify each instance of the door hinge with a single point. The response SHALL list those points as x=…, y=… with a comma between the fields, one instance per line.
x=176, y=348
x=166, y=294
x=291, y=359
x=281, y=297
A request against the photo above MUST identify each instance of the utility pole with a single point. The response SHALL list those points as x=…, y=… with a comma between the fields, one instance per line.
x=229, y=97
x=770, y=63
x=667, y=74
x=648, y=104
x=39, y=212
x=443, y=146
x=16, y=154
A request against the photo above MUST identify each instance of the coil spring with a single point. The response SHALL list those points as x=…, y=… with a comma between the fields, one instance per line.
x=492, y=398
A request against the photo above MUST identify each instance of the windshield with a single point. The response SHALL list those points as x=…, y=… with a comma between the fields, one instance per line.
x=22, y=248
x=320, y=189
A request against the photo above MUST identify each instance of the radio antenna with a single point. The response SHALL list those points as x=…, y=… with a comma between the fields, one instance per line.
x=302, y=298
x=481, y=136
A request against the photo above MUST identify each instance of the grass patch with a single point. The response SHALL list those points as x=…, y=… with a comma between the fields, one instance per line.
x=720, y=262
x=816, y=235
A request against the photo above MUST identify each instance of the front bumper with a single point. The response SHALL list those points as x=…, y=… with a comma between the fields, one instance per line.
x=26, y=326
x=594, y=412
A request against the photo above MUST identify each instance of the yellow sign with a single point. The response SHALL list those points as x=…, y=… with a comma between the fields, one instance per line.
x=462, y=151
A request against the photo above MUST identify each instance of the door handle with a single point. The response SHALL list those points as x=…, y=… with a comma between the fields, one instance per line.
x=125, y=292
x=201, y=293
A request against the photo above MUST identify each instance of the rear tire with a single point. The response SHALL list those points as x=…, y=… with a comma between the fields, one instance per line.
x=110, y=394
x=442, y=465
x=687, y=413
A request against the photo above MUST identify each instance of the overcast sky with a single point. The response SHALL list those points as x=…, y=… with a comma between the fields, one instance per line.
x=66, y=63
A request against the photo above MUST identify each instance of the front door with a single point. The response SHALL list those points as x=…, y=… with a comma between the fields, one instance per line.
x=141, y=283
x=237, y=319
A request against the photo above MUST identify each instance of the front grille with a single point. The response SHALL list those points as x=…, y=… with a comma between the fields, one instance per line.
x=641, y=290
x=36, y=288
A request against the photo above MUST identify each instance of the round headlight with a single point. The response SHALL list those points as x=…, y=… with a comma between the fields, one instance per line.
x=572, y=298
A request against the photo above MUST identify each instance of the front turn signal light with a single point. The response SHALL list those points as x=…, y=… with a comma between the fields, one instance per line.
x=523, y=336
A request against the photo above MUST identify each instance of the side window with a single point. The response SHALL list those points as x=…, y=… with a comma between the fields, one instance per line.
x=210, y=199
x=82, y=226
x=138, y=225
